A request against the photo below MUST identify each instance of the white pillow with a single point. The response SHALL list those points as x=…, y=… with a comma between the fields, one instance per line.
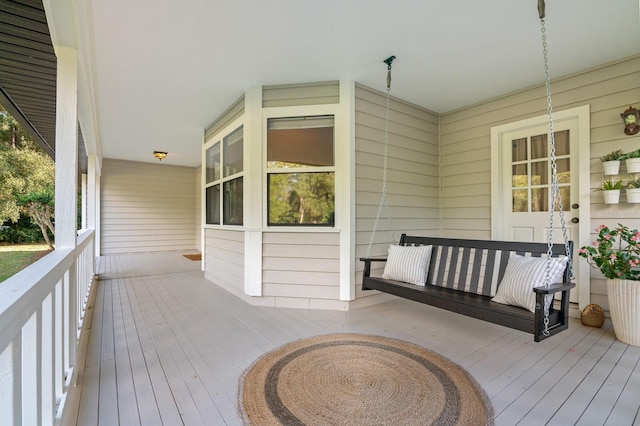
x=522, y=274
x=408, y=264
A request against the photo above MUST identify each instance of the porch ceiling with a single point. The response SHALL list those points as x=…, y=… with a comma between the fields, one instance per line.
x=165, y=71
x=159, y=71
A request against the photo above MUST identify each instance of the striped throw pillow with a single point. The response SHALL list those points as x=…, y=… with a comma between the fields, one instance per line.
x=522, y=274
x=408, y=264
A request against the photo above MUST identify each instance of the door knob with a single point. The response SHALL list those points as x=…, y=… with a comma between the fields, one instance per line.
x=575, y=220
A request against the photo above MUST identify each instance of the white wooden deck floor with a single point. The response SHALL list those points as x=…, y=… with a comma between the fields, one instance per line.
x=169, y=349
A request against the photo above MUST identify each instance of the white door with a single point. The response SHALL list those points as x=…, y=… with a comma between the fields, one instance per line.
x=524, y=185
x=527, y=184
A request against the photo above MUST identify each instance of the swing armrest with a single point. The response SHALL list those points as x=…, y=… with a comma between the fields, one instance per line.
x=366, y=272
x=554, y=288
x=562, y=315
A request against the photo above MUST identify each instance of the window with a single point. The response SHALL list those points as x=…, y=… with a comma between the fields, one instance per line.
x=224, y=170
x=300, y=171
x=531, y=172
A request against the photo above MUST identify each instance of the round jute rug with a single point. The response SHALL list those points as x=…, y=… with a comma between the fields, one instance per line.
x=355, y=379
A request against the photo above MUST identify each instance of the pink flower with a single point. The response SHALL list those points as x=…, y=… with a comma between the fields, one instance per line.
x=600, y=228
x=613, y=256
x=619, y=273
x=631, y=262
x=582, y=251
x=607, y=237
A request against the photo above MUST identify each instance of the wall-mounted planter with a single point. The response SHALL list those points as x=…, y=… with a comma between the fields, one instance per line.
x=611, y=196
x=633, y=165
x=611, y=167
x=633, y=195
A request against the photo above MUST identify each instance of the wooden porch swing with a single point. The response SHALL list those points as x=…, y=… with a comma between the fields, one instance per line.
x=504, y=282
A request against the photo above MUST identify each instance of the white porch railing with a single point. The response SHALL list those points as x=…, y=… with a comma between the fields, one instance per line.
x=41, y=314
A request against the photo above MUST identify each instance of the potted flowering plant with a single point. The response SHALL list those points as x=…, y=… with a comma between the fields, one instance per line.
x=611, y=190
x=632, y=189
x=616, y=253
x=611, y=162
x=632, y=161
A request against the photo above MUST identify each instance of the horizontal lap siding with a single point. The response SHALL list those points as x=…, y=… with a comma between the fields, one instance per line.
x=224, y=259
x=412, y=176
x=466, y=147
x=301, y=270
x=321, y=93
x=232, y=113
x=147, y=207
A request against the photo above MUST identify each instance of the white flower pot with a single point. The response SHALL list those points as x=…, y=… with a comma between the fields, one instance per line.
x=612, y=196
x=624, y=307
x=611, y=167
x=633, y=165
x=633, y=195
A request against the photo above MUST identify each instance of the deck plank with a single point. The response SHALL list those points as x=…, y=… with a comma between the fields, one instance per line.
x=169, y=347
x=90, y=384
x=126, y=393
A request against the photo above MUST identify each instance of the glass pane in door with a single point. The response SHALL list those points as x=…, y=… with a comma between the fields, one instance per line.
x=531, y=172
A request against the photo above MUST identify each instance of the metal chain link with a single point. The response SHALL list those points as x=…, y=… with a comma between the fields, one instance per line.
x=383, y=197
x=555, y=190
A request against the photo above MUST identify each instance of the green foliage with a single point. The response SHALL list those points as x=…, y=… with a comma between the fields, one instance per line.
x=633, y=183
x=615, y=252
x=632, y=154
x=27, y=176
x=20, y=232
x=301, y=199
x=612, y=156
x=609, y=184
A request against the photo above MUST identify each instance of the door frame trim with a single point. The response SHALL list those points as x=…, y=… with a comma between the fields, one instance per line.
x=582, y=115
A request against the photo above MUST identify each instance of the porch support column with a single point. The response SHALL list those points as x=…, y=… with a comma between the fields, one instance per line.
x=91, y=191
x=66, y=195
x=66, y=147
x=345, y=187
x=253, y=192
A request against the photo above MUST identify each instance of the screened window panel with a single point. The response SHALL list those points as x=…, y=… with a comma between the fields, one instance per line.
x=233, y=152
x=213, y=163
x=213, y=205
x=301, y=198
x=233, y=202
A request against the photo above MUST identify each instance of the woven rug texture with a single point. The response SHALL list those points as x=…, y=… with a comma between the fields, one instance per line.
x=356, y=379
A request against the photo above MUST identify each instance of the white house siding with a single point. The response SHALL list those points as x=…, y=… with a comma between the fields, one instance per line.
x=224, y=259
x=466, y=147
x=412, y=177
x=321, y=93
x=302, y=269
x=147, y=207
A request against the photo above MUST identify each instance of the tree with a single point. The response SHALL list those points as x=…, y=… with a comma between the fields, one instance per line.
x=27, y=177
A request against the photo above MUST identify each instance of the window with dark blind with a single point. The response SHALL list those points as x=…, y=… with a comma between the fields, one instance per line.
x=300, y=171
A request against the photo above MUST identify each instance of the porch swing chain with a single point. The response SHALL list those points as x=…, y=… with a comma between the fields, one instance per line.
x=555, y=190
x=383, y=197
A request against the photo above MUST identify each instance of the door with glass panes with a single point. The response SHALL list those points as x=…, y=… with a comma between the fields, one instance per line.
x=527, y=184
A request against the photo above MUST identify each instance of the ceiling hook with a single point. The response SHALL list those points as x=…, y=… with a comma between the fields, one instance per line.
x=389, y=61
